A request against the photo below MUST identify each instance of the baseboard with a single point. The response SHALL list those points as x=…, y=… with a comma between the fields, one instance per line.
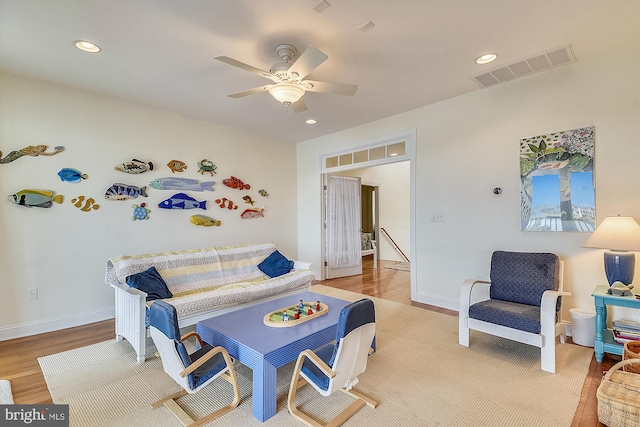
x=55, y=324
x=438, y=301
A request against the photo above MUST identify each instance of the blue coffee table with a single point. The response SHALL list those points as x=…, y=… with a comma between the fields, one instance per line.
x=264, y=349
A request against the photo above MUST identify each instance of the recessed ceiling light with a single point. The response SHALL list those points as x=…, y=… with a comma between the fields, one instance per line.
x=311, y=122
x=486, y=58
x=87, y=46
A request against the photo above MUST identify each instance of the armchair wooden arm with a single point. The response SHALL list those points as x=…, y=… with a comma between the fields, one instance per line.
x=202, y=360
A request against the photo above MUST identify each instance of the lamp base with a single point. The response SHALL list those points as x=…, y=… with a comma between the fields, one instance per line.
x=619, y=266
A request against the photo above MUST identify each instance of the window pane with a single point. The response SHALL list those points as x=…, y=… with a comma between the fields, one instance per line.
x=396, y=149
x=331, y=162
x=377, y=153
x=361, y=156
x=345, y=159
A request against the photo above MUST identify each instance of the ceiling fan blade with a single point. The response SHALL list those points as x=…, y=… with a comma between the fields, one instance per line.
x=328, y=87
x=299, y=106
x=250, y=91
x=310, y=59
x=247, y=67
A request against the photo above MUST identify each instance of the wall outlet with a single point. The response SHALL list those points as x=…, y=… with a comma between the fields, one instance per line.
x=437, y=217
x=33, y=293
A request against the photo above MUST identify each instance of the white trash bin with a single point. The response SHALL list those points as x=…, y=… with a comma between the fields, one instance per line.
x=583, y=326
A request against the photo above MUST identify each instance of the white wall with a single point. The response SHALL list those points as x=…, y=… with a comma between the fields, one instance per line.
x=62, y=250
x=469, y=144
x=393, y=185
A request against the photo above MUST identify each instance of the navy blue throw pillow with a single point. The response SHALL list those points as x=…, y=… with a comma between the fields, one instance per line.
x=151, y=282
x=275, y=265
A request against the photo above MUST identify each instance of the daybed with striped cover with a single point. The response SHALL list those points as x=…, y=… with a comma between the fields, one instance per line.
x=204, y=283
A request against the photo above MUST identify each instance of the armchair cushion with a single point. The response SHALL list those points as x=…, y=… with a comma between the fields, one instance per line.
x=325, y=353
x=151, y=282
x=523, y=317
x=513, y=272
x=208, y=369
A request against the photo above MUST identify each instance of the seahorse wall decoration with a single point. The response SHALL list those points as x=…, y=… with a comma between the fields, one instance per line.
x=32, y=150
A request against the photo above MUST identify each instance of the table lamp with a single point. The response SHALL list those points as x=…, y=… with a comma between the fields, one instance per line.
x=620, y=235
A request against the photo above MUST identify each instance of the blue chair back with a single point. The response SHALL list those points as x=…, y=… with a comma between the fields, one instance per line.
x=522, y=277
x=353, y=356
x=163, y=317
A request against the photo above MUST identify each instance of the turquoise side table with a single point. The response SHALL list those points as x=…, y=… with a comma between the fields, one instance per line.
x=605, y=343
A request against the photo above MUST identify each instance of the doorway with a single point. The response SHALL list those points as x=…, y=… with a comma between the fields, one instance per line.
x=368, y=161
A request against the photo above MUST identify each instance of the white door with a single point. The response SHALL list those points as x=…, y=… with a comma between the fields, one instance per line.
x=343, y=255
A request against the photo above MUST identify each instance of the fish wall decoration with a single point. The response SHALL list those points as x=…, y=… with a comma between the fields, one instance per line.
x=204, y=221
x=263, y=192
x=207, y=166
x=120, y=191
x=247, y=199
x=177, y=166
x=184, y=184
x=252, y=213
x=236, y=183
x=71, y=175
x=32, y=150
x=135, y=166
x=85, y=205
x=35, y=198
x=182, y=201
x=226, y=203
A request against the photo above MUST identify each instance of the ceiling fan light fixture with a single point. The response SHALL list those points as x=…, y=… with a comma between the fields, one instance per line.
x=286, y=93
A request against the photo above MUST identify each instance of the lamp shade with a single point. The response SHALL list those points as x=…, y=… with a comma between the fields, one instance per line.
x=618, y=234
x=287, y=93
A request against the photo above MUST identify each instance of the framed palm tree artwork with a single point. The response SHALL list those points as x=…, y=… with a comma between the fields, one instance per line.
x=557, y=191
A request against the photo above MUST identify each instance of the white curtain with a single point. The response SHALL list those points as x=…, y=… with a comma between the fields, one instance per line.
x=343, y=239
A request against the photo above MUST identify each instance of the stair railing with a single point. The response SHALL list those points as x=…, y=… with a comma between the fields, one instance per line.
x=386, y=233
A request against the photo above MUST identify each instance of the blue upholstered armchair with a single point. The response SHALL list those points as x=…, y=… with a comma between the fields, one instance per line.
x=523, y=304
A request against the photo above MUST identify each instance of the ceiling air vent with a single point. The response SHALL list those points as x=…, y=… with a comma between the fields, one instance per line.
x=540, y=62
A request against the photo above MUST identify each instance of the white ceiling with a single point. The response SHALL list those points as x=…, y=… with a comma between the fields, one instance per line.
x=160, y=52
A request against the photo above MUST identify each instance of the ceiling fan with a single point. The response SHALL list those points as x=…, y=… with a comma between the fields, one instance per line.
x=288, y=78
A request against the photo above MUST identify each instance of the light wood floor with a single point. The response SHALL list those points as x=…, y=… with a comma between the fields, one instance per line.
x=19, y=364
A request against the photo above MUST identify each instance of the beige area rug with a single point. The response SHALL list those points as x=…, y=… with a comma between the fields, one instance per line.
x=403, y=266
x=420, y=375
x=6, y=397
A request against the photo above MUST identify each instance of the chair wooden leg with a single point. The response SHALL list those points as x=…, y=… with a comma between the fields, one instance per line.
x=297, y=382
x=562, y=332
x=358, y=395
x=159, y=403
x=179, y=413
x=548, y=355
x=343, y=416
x=170, y=403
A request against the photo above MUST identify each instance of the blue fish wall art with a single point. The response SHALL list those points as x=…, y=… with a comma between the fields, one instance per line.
x=71, y=175
x=184, y=184
x=120, y=191
x=182, y=201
